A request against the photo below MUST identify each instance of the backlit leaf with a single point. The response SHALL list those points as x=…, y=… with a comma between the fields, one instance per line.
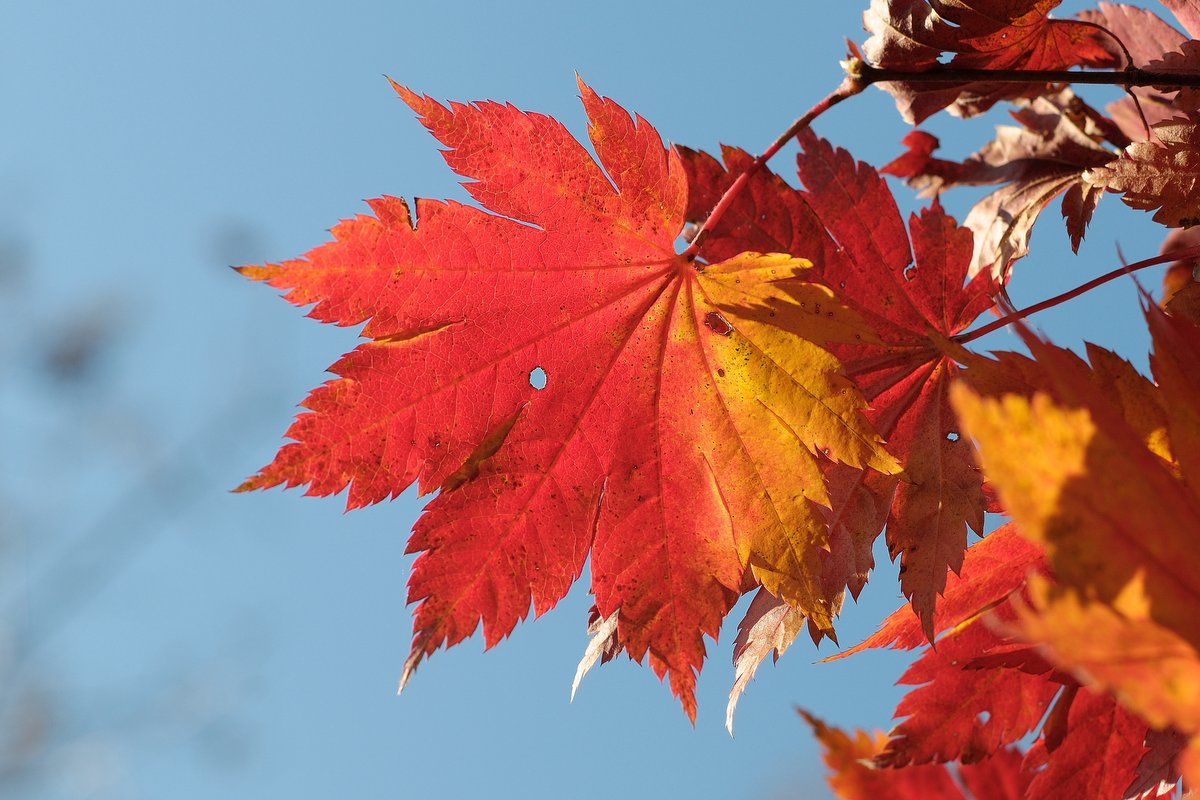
x=685, y=414
x=1013, y=34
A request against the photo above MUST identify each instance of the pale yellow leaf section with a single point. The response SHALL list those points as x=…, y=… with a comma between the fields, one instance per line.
x=603, y=642
x=1031, y=449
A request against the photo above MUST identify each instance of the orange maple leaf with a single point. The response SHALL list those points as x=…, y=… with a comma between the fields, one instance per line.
x=686, y=408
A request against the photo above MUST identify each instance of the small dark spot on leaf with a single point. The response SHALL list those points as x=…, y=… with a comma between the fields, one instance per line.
x=717, y=324
x=721, y=372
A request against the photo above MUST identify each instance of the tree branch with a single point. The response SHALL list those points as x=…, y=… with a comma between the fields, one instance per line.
x=1132, y=76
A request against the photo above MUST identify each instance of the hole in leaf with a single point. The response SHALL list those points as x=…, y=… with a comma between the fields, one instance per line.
x=537, y=378
x=717, y=324
x=952, y=436
x=910, y=272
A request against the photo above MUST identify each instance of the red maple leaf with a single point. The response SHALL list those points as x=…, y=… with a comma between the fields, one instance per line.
x=976, y=693
x=685, y=412
x=983, y=689
x=981, y=34
x=993, y=568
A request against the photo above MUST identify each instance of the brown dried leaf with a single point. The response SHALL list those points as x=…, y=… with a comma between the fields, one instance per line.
x=1163, y=175
x=981, y=34
x=769, y=628
x=1058, y=139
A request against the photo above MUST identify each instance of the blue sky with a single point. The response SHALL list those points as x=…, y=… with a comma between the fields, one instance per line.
x=187, y=642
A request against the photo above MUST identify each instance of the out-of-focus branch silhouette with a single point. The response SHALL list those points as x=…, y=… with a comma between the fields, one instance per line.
x=59, y=735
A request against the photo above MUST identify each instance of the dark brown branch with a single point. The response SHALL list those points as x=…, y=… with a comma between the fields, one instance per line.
x=1134, y=76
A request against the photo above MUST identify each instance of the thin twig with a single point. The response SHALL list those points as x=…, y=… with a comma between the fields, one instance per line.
x=848, y=88
x=1174, y=255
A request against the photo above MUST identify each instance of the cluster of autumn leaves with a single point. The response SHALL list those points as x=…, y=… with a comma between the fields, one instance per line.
x=751, y=420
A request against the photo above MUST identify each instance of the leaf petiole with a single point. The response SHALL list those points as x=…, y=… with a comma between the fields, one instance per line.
x=848, y=88
x=1007, y=319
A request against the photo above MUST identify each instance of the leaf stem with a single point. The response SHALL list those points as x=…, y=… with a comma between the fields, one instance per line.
x=1008, y=319
x=1132, y=76
x=848, y=88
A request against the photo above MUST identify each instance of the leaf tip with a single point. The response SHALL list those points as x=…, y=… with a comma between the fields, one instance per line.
x=410, y=98
x=410, y=667
x=257, y=272
x=584, y=88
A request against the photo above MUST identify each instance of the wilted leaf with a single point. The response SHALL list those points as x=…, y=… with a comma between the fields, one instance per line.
x=769, y=628
x=602, y=647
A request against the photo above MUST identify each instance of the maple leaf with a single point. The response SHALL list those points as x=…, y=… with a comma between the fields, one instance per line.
x=1046, y=156
x=1162, y=175
x=1149, y=669
x=976, y=692
x=992, y=569
x=1153, y=45
x=1078, y=477
x=1098, y=755
x=964, y=713
x=987, y=685
x=686, y=408
x=853, y=775
x=910, y=285
x=1013, y=34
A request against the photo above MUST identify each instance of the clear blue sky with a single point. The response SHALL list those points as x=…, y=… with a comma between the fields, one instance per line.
x=197, y=644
